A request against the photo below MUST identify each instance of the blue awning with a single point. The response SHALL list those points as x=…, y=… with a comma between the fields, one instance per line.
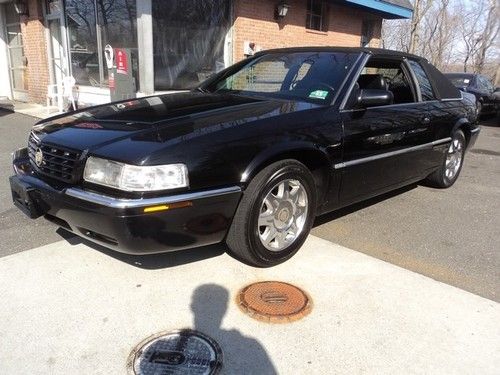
x=390, y=9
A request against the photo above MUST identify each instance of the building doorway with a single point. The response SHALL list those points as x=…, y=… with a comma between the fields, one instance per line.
x=58, y=61
x=17, y=60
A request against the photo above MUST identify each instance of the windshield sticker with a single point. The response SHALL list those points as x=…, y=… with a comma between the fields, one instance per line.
x=318, y=94
x=466, y=80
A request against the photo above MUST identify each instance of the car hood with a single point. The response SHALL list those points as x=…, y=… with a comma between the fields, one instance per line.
x=158, y=118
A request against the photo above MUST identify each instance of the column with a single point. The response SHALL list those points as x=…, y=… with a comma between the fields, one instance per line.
x=145, y=46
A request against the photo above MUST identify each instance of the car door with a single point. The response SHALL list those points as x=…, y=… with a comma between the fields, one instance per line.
x=384, y=147
x=487, y=91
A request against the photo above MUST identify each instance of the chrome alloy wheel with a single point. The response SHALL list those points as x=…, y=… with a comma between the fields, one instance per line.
x=282, y=215
x=454, y=158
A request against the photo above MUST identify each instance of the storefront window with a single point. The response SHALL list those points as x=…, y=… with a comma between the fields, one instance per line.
x=188, y=41
x=81, y=24
x=116, y=25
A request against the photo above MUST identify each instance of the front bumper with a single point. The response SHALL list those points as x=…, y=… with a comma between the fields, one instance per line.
x=474, y=134
x=194, y=219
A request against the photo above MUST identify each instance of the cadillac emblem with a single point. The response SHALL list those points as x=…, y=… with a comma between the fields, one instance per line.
x=39, y=157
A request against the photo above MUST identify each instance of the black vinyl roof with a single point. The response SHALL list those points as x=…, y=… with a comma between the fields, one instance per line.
x=371, y=51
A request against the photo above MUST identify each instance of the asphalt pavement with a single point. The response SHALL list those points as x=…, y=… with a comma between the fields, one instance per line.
x=17, y=232
x=450, y=235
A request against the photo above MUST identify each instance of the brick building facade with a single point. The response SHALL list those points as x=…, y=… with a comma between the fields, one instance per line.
x=31, y=76
x=172, y=45
x=35, y=50
x=255, y=21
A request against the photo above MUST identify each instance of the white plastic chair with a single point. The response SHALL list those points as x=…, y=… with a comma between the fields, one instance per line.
x=68, y=86
x=52, y=95
x=60, y=92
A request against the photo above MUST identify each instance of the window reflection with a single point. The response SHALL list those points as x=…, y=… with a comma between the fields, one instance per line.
x=423, y=81
x=188, y=41
x=116, y=25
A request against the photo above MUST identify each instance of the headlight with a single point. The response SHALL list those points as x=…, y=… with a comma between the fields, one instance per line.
x=133, y=177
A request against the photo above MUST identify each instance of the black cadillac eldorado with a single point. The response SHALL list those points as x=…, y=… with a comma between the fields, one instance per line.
x=251, y=156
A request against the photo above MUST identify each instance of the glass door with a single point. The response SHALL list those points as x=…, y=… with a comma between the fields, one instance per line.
x=57, y=59
x=58, y=55
x=17, y=62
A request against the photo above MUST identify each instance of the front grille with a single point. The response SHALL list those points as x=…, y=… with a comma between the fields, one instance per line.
x=58, y=162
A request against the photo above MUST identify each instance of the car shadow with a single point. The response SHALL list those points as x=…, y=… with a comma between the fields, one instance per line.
x=337, y=214
x=149, y=261
x=6, y=109
x=492, y=121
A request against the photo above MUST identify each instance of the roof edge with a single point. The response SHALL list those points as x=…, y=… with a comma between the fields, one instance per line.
x=390, y=9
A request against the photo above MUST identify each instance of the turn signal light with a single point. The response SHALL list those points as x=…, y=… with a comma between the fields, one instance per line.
x=170, y=206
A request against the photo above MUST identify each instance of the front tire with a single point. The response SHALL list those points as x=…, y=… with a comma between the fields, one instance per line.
x=275, y=214
x=452, y=163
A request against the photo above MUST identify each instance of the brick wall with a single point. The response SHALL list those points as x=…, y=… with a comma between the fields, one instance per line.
x=35, y=49
x=254, y=22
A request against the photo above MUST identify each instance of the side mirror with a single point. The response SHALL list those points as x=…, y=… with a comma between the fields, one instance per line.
x=374, y=98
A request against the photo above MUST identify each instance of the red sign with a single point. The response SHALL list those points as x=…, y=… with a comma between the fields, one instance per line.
x=121, y=61
x=111, y=81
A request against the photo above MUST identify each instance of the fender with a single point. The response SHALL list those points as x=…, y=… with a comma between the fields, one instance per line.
x=471, y=130
x=463, y=122
x=280, y=151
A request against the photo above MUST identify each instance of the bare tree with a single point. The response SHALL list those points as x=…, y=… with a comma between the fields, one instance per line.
x=450, y=33
x=440, y=33
x=470, y=32
x=488, y=36
x=420, y=9
x=395, y=34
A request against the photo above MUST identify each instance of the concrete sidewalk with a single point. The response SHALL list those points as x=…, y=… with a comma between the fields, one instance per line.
x=30, y=109
x=71, y=309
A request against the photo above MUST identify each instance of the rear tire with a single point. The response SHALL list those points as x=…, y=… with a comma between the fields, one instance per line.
x=275, y=215
x=452, y=163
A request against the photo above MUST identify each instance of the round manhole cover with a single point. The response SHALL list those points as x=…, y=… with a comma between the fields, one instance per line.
x=178, y=352
x=274, y=301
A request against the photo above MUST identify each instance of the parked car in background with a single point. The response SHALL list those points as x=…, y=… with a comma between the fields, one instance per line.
x=488, y=101
x=497, y=96
x=251, y=156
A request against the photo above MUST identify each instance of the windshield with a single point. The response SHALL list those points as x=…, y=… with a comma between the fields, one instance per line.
x=309, y=76
x=460, y=81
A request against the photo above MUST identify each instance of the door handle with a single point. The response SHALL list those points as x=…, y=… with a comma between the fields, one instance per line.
x=426, y=121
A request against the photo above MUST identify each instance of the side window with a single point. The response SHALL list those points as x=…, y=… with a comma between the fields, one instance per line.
x=490, y=85
x=479, y=83
x=384, y=74
x=423, y=81
x=485, y=84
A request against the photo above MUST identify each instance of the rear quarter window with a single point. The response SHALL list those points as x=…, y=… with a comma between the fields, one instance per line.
x=442, y=85
x=423, y=81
